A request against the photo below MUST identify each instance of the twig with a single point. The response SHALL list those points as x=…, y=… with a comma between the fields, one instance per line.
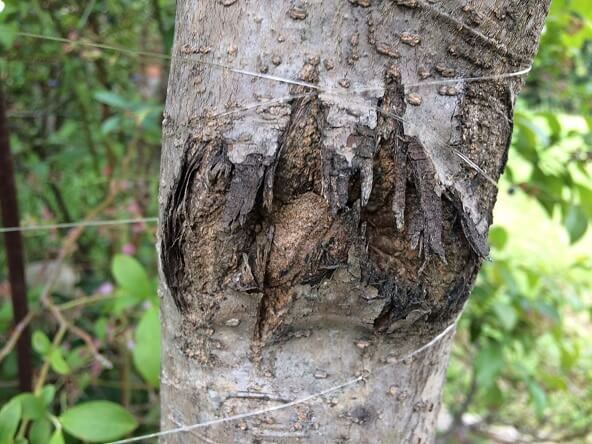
x=16, y=334
x=84, y=301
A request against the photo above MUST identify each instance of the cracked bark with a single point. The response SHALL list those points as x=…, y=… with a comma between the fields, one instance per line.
x=306, y=242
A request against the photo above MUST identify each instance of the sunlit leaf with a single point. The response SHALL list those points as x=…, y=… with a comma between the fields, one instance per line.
x=576, y=223
x=10, y=416
x=47, y=394
x=506, y=314
x=98, y=421
x=146, y=352
x=57, y=437
x=488, y=363
x=40, y=431
x=538, y=397
x=8, y=34
x=58, y=363
x=112, y=99
x=32, y=406
x=131, y=276
x=498, y=237
x=41, y=343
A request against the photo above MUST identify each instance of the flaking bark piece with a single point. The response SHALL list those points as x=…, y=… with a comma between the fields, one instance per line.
x=477, y=241
x=336, y=176
x=425, y=178
x=366, y=147
x=175, y=215
x=246, y=181
x=263, y=248
x=400, y=185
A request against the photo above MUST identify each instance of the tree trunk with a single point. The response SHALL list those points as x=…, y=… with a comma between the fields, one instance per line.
x=331, y=238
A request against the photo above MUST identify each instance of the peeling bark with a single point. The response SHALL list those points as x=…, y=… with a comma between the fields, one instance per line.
x=306, y=242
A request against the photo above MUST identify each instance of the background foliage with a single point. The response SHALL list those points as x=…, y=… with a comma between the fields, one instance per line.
x=85, y=128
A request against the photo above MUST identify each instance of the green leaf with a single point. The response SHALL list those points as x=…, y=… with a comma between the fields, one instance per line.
x=493, y=395
x=75, y=358
x=488, y=364
x=40, y=431
x=32, y=406
x=8, y=33
x=498, y=237
x=124, y=300
x=57, y=437
x=10, y=416
x=538, y=397
x=112, y=99
x=47, y=394
x=586, y=200
x=554, y=125
x=58, y=363
x=101, y=326
x=113, y=123
x=41, y=342
x=554, y=382
x=131, y=276
x=568, y=356
x=506, y=314
x=146, y=353
x=576, y=223
x=98, y=421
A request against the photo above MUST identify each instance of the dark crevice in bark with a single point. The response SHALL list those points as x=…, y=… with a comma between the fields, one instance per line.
x=245, y=187
x=173, y=231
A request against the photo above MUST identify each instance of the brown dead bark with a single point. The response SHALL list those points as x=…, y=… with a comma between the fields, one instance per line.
x=309, y=241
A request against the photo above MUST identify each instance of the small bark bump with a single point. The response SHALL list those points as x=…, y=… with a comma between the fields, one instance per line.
x=423, y=73
x=414, y=99
x=393, y=72
x=297, y=13
x=407, y=3
x=344, y=83
x=445, y=90
x=321, y=374
x=362, y=3
x=387, y=50
x=410, y=39
x=234, y=322
x=329, y=64
x=362, y=344
x=444, y=70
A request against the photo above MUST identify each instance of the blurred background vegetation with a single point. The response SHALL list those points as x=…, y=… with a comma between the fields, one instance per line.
x=85, y=135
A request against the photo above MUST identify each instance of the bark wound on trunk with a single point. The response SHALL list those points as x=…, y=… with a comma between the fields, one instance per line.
x=308, y=241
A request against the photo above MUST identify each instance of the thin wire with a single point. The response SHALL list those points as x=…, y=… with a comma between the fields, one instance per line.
x=471, y=79
x=200, y=60
x=168, y=57
x=90, y=223
x=303, y=400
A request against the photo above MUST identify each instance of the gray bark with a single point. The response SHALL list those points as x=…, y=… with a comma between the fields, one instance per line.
x=307, y=242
